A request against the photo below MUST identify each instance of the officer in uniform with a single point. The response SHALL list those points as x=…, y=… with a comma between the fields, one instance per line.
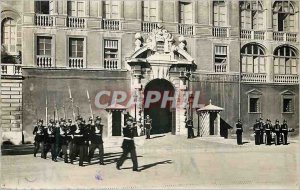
x=284, y=131
x=128, y=145
x=256, y=132
x=268, y=129
x=50, y=140
x=96, y=141
x=148, y=126
x=189, y=125
x=63, y=139
x=239, y=132
x=78, y=142
x=277, y=130
x=39, y=138
x=262, y=131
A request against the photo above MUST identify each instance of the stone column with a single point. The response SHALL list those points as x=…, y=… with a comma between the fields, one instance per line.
x=100, y=9
x=121, y=10
x=269, y=68
x=211, y=13
x=195, y=11
x=160, y=11
x=176, y=10
x=139, y=10
x=269, y=19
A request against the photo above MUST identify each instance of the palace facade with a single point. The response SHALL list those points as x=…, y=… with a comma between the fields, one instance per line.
x=241, y=55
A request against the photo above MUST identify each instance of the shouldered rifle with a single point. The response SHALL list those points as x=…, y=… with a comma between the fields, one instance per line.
x=72, y=103
x=89, y=100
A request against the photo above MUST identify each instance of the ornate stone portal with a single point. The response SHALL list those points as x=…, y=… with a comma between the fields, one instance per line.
x=157, y=56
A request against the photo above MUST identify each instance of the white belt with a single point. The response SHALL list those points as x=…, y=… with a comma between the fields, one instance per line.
x=78, y=135
x=127, y=138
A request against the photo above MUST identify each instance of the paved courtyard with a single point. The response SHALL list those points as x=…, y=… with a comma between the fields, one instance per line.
x=165, y=161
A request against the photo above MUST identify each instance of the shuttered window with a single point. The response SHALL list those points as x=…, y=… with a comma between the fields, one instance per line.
x=185, y=13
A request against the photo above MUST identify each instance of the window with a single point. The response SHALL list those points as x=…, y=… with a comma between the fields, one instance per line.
x=219, y=8
x=76, y=47
x=283, y=16
x=252, y=15
x=76, y=8
x=9, y=35
x=185, y=13
x=111, y=54
x=149, y=10
x=220, y=53
x=285, y=61
x=44, y=45
x=111, y=9
x=254, y=105
x=253, y=59
x=44, y=7
x=287, y=105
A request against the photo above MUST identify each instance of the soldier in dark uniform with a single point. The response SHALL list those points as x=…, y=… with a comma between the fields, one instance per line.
x=50, y=140
x=256, y=132
x=128, y=145
x=277, y=130
x=148, y=123
x=268, y=129
x=189, y=125
x=239, y=132
x=78, y=142
x=39, y=138
x=284, y=131
x=63, y=139
x=262, y=131
x=69, y=135
x=95, y=137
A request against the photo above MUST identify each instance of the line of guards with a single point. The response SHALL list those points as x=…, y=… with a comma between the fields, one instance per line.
x=264, y=133
x=83, y=139
x=79, y=137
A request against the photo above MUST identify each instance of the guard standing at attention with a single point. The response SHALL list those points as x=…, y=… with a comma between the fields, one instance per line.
x=148, y=123
x=277, y=130
x=189, y=125
x=95, y=137
x=262, y=131
x=268, y=130
x=39, y=138
x=239, y=132
x=284, y=131
x=128, y=145
x=256, y=132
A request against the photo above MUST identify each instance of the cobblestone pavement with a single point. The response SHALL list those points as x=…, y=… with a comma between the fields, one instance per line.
x=165, y=161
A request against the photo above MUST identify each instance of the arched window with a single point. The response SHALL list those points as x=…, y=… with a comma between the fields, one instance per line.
x=252, y=17
x=283, y=16
x=253, y=59
x=285, y=60
x=220, y=13
x=9, y=35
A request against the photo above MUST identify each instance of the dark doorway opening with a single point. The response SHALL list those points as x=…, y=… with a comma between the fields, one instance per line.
x=212, y=123
x=163, y=119
x=116, y=123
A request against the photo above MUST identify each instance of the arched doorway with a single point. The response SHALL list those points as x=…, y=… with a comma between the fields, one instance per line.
x=163, y=119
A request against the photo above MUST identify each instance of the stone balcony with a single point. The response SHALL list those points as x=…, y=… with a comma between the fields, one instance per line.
x=285, y=36
x=44, y=61
x=111, y=64
x=263, y=78
x=76, y=63
x=221, y=32
x=186, y=29
x=253, y=34
x=289, y=79
x=9, y=69
x=44, y=20
x=254, y=77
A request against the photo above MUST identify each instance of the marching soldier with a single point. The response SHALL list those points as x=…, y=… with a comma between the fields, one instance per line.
x=262, y=131
x=39, y=138
x=256, y=130
x=284, y=131
x=239, y=132
x=95, y=137
x=189, y=125
x=78, y=140
x=50, y=140
x=148, y=126
x=277, y=130
x=128, y=145
x=268, y=130
x=69, y=136
x=63, y=139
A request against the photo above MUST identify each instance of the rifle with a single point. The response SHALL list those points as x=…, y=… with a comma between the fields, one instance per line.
x=72, y=103
x=64, y=109
x=88, y=97
x=78, y=111
x=55, y=109
x=36, y=114
x=46, y=111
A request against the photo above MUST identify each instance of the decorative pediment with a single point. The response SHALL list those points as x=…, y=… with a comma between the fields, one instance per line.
x=159, y=45
x=254, y=92
x=287, y=93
